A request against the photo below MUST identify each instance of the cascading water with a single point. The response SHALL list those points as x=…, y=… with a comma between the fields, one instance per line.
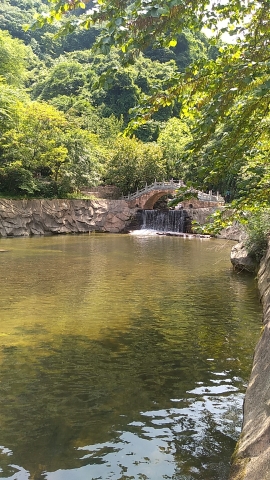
x=165, y=220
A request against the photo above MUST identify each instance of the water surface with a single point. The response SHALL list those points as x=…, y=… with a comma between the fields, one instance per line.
x=122, y=357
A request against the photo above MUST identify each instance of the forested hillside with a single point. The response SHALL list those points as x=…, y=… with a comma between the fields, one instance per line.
x=62, y=114
x=64, y=106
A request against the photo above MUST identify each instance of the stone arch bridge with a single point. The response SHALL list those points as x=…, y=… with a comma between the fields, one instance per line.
x=150, y=194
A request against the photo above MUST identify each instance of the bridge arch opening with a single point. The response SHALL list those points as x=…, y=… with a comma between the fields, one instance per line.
x=150, y=202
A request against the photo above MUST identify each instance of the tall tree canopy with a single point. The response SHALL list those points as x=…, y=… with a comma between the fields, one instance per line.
x=13, y=54
x=136, y=24
x=225, y=98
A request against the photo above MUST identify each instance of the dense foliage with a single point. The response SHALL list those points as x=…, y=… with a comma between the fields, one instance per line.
x=63, y=107
x=257, y=230
x=226, y=97
x=194, y=107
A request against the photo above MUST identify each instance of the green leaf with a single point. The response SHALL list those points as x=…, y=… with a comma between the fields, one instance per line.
x=172, y=43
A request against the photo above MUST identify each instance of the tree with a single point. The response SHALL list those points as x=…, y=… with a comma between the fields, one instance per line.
x=13, y=54
x=87, y=157
x=189, y=47
x=65, y=78
x=9, y=98
x=137, y=24
x=231, y=111
x=43, y=143
x=227, y=97
x=37, y=141
x=119, y=97
x=173, y=138
x=12, y=17
x=83, y=75
x=134, y=163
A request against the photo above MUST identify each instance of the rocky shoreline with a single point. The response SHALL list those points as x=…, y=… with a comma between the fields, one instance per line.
x=56, y=216
x=183, y=235
x=43, y=217
x=251, y=460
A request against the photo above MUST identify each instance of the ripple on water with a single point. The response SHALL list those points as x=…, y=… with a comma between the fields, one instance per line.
x=122, y=357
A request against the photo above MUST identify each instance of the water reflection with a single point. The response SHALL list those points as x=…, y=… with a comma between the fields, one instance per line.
x=122, y=357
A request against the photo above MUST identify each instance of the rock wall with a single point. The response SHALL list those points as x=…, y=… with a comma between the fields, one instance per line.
x=200, y=215
x=40, y=217
x=251, y=460
x=241, y=260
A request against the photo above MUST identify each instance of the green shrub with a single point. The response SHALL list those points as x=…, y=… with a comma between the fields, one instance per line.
x=258, y=230
x=47, y=189
x=16, y=180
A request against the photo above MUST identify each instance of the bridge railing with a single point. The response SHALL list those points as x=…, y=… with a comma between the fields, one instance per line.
x=171, y=185
x=174, y=185
x=210, y=197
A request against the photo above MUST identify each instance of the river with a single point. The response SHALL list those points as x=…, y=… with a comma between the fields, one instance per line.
x=122, y=357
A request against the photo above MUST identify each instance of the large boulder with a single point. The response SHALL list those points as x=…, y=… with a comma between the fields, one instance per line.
x=241, y=259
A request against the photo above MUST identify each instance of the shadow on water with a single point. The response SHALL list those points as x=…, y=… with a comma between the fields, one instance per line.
x=87, y=393
x=152, y=389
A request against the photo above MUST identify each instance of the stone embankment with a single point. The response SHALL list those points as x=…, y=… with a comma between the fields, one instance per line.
x=41, y=217
x=251, y=460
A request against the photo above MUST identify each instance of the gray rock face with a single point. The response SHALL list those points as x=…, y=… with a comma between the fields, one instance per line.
x=252, y=456
x=241, y=260
x=201, y=215
x=234, y=232
x=40, y=217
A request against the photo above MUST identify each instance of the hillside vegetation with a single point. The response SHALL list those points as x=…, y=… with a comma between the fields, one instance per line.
x=135, y=97
x=62, y=115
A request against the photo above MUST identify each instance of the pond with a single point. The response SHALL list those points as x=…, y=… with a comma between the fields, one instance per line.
x=122, y=357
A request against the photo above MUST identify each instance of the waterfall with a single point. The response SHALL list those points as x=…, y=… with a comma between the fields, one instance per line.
x=164, y=220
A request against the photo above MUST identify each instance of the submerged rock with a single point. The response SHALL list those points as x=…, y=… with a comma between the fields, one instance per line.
x=184, y=235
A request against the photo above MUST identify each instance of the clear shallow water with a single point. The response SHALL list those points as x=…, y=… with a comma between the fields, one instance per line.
x=122, y=357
